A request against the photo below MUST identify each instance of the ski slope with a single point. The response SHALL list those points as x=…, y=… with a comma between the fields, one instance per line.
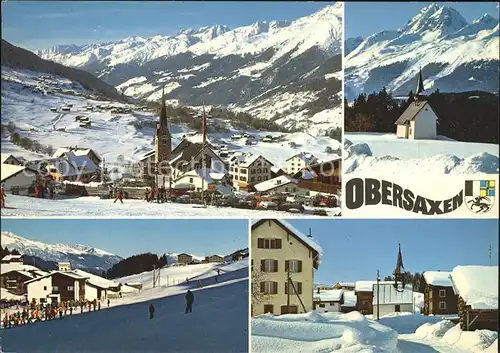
x=94, y=207
x=218, y=323
x=385, y=153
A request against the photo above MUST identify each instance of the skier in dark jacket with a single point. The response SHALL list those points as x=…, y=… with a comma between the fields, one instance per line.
x=189, y=302
x=151, y=311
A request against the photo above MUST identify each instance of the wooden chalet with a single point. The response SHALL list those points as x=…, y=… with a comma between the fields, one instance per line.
x=324, y=177
x=439, y=297
x=477, y=291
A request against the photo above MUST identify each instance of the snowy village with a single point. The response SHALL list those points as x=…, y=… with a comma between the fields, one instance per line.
x=80, y=288
x=452, y=309
x=232, y=173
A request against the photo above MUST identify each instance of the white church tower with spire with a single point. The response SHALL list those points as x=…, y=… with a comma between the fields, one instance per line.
x=419, y=121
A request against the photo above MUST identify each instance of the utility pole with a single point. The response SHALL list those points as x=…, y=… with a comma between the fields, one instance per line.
x=288, y=280
x=490, y=254
x=378, y=295
x=203, y=157
x=154, y=272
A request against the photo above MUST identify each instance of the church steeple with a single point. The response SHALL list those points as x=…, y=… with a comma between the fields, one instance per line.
x=163, y=143
x=420, y=85
x=163, y=123
x=399, y=263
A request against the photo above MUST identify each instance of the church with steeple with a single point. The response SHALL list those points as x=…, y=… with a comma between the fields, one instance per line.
x=419, y=121
x=156, y=162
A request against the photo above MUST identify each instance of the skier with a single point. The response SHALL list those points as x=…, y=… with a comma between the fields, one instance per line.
x=189, y=301
x=2, y=196
x=99, y=305
x=108, y=303
x=37, y=191
x=119, y=196
x=146, y=195
x=151, y=311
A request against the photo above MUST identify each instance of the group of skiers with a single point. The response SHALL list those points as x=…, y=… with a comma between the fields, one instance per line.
x=158, y=194
x=44, y=190
x=189, y=305
x=39, y=312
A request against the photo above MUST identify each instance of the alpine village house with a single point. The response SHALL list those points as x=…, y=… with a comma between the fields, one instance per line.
x=419, y=120
x=283, y=261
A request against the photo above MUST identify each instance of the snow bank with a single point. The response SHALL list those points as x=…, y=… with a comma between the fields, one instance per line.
x=314, y=332
x=436, y=330
x=404, y=323
x=477, y=285
x=476, y=340
x=493, y=348
x=371, y=152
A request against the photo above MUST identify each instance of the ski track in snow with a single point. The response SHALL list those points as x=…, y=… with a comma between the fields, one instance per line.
x=218, y=323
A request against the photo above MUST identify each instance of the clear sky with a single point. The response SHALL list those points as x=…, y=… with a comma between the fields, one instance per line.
x=356, y=249
x=126, y=237
x=42, y=24
x=366, y=18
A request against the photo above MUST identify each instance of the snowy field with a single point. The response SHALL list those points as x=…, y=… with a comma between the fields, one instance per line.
x=112, y=135
x=218, y=323
x=386, y=153
x=353, y=332
x=93, y=206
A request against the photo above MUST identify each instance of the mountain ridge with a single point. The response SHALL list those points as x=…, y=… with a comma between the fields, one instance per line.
x=454, y=55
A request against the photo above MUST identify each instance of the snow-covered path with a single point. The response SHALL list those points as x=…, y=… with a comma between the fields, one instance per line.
x=410, y=343
x=95, y=207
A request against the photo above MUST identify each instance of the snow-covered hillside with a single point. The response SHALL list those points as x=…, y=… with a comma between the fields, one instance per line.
x=218, y=323
x=454, y=55
x=275, y=69
x=112, y=135
x=385, y=153
x=80, y=256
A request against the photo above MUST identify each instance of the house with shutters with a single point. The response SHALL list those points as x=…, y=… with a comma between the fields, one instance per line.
x=184, y=259
x=439, y=297
x=283, y=260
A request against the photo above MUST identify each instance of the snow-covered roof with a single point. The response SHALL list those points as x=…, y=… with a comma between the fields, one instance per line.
x=68, y=274
x=11, y=257
x=330, y=295
x=77, y=151
x=307, y=158
x=245, y=160
x=17, y=266
x=477, y=285
x=367, y=286
x=347, y=284
x=5, y=156
x=350, y=299
x=9, y=170
x=274, y=183
x=389, y=295
x=438, y=278
x=96, y=280
x=200, y=173
x=308, y=240
x=217, y=176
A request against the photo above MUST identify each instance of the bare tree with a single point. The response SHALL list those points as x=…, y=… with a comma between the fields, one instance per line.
x=257, y=278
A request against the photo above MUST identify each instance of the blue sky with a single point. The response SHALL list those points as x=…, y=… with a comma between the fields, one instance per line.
x=366, y=18
x=356, y=249
x=126, y=237
x=42, y=24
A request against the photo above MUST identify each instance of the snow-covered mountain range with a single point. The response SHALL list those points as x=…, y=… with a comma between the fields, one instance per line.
x=270, y=69
x=454, y=55
x=80, y=256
